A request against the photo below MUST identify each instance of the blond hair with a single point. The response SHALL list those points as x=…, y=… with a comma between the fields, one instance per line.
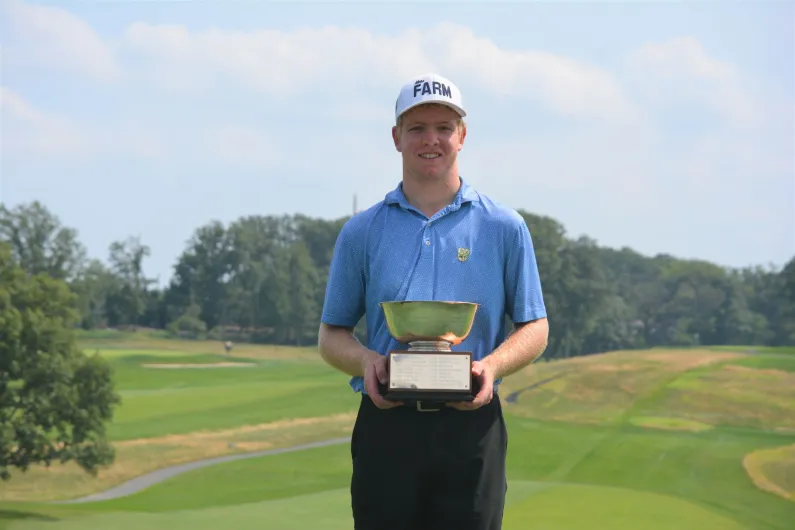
x=461, y=124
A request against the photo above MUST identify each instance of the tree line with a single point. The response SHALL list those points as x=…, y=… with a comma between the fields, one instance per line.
x=262, y=279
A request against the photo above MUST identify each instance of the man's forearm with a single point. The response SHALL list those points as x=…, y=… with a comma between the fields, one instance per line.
x=519, y=349
x=340, y=348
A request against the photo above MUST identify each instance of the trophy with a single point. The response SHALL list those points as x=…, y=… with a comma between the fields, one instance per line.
x=429, y=370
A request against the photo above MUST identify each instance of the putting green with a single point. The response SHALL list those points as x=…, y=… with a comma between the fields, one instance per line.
x=576, y=506
x=530, y=505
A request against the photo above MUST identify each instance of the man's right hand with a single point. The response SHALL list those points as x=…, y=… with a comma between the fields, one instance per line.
x=374, y=368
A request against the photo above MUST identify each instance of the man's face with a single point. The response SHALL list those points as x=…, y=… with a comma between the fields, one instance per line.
x=429, y=138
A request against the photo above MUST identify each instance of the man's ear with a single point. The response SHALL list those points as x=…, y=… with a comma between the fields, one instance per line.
x=396, y=137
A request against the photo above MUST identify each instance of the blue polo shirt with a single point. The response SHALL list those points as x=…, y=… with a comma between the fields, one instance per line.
x=392, y=251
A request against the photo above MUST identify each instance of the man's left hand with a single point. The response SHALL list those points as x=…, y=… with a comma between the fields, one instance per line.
x=485, y=376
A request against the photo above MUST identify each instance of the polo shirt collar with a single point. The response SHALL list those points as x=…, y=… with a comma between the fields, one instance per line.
x=466, y=193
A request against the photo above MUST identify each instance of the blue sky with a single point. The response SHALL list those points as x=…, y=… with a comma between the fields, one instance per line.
x=666, y=127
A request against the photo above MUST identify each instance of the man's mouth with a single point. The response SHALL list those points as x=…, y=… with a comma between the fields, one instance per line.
x=430, y=155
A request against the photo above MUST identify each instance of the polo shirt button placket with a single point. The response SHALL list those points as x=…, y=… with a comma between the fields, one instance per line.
x=424, y=288
x=427, y=230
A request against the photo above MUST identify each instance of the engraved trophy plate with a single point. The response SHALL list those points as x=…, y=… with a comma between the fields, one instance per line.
x=430, y=371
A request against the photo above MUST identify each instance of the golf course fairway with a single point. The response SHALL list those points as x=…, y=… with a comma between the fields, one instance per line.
x=656, y=439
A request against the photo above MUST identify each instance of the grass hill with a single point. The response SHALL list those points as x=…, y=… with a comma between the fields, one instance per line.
x=658, y=439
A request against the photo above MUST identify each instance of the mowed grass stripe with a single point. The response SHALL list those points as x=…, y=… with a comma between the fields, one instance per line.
x=755, y=350
x=134, y=356
x=133, y=375
x=158, y=402
x=206, y=399
x=227, y=407
x=327, y=510
x=768, y=362
x=530, y=506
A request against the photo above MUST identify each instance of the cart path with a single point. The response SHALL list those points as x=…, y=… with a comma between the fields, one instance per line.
x=159, y=475
x=514, y=396
x=144, y=481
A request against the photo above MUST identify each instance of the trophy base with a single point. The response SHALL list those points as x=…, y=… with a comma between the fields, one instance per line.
x=429, y=372
x=436, y=397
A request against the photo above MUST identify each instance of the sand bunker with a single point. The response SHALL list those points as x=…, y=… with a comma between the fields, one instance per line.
x=188, y=365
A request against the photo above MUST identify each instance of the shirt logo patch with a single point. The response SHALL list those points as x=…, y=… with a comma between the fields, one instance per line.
x=463, y=254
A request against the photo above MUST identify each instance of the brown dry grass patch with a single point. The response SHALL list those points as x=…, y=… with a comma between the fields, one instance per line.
x=140, y=456
x=779, y=374
x=251, y=351
x=621, y=367
x=735, y=395
x=670, y=424
x=773, y=470
x=199, y=438
x=603, y=387
x=682, y=360
x=749, y=408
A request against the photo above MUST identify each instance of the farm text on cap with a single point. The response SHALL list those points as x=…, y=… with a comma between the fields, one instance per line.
x=429, y=88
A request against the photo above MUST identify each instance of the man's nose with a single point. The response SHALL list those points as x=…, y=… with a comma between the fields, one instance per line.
x=430, y=137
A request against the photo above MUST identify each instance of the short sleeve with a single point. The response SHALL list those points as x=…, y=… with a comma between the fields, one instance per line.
x=344, y=303
x=524, y=297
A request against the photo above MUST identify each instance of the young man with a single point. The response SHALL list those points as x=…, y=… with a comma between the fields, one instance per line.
x=432, y=466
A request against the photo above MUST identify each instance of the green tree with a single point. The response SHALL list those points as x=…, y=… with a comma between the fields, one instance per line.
x=39, y=243
x=786, y=298
x=95, y=286
x=303, y=310
x=129, y=300
x=262, y=278
x=202, y=274
x=54, y=400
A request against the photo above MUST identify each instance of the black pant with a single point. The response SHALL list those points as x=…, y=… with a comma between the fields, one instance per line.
x=416, y=470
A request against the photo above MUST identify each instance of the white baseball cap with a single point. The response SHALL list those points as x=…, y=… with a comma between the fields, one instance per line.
x=429, y=88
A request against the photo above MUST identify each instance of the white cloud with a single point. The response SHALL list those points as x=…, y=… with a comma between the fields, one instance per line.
x=357, y=69
x=29, y=131
x=55, y=38
x=682, y=56
x=680, y=69
x=345, y=60
x=294, y=62
x=748, y=148
x=566, y=85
